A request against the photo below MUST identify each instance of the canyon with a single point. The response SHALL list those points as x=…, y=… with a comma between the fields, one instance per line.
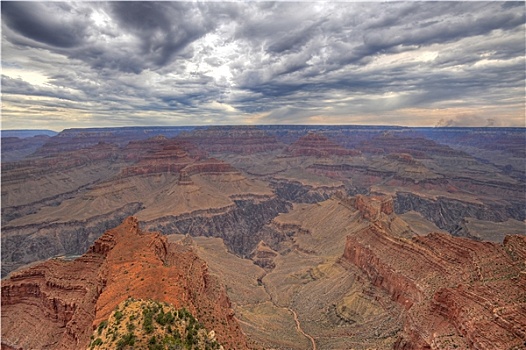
x=274, y=237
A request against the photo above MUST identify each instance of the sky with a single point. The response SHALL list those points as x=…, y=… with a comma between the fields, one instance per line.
x=101, y=64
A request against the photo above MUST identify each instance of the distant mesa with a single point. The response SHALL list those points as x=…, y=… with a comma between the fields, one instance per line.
x=318, y=145
x=23, y=133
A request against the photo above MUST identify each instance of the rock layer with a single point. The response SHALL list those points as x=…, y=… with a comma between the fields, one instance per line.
x=318, y=145
x=457, y=293
x=236, y=140
x=56, y=304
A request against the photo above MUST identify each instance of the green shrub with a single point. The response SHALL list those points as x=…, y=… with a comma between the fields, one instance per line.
x=102, y=325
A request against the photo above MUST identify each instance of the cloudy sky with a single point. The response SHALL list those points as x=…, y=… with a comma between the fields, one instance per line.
x=87, y=64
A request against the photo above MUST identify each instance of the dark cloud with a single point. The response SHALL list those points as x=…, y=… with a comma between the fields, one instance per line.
x=264, y=61
x=39, y=22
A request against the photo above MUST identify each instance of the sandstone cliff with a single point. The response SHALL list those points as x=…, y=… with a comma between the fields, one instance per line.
x=57, y=304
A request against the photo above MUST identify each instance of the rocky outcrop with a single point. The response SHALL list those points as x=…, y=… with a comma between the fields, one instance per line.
x=457, y=293
x=373, y=206
x=57, y=304
x=237, y=140
x=263, y=256
x=318, y=145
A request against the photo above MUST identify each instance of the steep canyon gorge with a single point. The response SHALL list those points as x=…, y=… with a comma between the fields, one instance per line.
x=272, y=237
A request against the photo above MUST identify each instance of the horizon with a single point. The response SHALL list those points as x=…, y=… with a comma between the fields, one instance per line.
x=269, y=125
x=114, y=64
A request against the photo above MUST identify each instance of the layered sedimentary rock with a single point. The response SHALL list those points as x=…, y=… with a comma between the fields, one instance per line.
x=236, y=140
x=57, y=304
x=263, y=256
x=159, y=155
x=457, y=293
x=317, y=145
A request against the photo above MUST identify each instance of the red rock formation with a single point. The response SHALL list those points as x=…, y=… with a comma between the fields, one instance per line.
x=318, y=145
x=457, y=293
x=160, y=155
x=238, y=139
x=372, y=207
x=57, y=304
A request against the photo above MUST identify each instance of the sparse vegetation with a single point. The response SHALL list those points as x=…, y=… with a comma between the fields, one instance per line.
x=152, y=325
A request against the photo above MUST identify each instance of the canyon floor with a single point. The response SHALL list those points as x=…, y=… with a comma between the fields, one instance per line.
x=314, y=237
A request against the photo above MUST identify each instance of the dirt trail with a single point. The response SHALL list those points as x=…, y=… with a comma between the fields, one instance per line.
x=298, y=324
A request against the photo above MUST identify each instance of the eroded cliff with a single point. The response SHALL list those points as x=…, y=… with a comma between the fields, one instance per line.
x=56, y=304
x=457, y=293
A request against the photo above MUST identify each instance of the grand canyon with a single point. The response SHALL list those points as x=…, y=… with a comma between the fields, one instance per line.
x=264, y=237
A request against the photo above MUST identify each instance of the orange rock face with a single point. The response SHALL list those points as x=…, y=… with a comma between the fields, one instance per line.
x=457, y=293
x=56, y=304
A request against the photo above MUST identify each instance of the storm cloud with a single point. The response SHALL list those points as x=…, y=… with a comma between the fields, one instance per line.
x=87, y=64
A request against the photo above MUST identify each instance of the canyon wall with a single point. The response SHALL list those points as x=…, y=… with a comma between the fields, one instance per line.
x=238, y=225
x=457, y=293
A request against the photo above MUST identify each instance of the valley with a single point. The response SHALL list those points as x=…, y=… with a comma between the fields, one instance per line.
x=289, y=237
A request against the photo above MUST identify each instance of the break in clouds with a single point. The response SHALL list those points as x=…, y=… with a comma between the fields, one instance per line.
x=88, y=64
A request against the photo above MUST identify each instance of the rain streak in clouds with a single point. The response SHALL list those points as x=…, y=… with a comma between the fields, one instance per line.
x=89, y=64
